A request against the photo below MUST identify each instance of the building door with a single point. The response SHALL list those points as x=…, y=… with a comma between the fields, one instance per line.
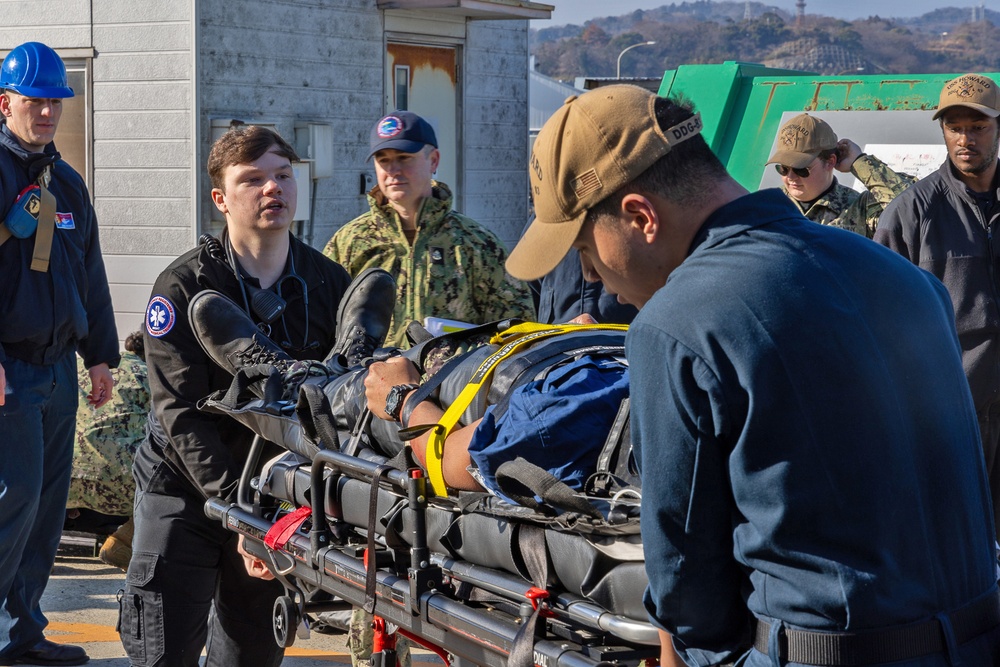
x=424, y=79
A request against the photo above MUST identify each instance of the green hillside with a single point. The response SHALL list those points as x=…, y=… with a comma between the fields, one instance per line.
x=945, y=40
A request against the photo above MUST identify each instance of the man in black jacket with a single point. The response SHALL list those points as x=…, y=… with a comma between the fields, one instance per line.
x=54, y=301
x=946, y=223
x=182, y=562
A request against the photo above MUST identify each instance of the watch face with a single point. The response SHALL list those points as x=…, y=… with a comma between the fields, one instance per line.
x=394, y=399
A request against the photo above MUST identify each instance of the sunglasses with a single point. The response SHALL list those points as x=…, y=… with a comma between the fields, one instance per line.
x=801, y=172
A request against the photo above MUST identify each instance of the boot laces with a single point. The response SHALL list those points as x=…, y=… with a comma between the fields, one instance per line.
x=361, y=346
x=258, y=354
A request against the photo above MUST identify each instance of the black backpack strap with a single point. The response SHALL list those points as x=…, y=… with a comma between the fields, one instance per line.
x=522, y=480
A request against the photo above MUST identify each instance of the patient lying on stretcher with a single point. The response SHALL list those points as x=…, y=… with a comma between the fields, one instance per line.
x=558, y=422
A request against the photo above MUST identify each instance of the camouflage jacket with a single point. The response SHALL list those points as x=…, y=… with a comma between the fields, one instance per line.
x=455, y=268
x=106, y=440
x=856, y=211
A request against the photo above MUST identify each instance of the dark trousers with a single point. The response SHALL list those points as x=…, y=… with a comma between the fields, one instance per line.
x=989, y=430
x=37, y=425
x=183, y=564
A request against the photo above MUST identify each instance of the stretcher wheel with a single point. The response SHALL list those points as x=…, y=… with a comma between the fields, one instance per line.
x=284, y=619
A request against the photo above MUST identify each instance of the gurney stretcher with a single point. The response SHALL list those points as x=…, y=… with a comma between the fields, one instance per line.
x=385, y=544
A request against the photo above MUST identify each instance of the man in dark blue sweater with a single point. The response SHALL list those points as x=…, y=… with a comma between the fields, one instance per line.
x=814, y=488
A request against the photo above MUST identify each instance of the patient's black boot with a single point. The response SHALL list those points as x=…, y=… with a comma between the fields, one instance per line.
x=227, y=334
x=231, y=339
x=363, y=318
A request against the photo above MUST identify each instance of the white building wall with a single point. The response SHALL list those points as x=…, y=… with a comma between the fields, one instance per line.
x=496, y=121
x=310, y=60
x=319, y=62
x=143, y=152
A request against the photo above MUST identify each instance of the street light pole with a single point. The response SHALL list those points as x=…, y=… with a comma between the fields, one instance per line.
x=618, y=74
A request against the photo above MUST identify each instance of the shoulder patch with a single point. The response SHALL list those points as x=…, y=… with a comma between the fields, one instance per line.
x=160, y=316
x=65, y=221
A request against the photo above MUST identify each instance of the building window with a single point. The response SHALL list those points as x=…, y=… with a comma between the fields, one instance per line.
x=402, y=101
x=73, y=135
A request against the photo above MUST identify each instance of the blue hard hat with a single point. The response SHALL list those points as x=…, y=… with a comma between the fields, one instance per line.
x=34, y=70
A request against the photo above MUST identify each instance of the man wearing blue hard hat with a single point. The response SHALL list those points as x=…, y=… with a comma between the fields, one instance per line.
x=54, y=302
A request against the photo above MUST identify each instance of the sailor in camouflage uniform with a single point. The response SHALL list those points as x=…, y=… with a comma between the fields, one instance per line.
x=445, y=264
x=106, y=440
x=808, y=153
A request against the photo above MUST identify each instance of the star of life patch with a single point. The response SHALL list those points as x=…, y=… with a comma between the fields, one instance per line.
x=160, y=316
x=65, y=221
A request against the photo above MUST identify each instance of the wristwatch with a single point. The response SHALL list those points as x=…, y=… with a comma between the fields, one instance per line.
x=394, y=399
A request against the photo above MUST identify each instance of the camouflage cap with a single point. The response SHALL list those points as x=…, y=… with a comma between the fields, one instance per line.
x=589, y=149
x=801, y=140
x=970, y=90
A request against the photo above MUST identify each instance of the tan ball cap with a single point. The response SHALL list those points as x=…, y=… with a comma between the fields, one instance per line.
x=590, y=148
x=970, y=90
x=801, y=140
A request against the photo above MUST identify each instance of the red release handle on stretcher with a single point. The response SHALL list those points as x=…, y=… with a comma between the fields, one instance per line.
x=283, y=529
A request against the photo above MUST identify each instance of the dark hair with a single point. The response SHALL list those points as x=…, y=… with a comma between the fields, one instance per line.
x=827, y=154
x=135, y=344
x=681, y=175
x=243, y=144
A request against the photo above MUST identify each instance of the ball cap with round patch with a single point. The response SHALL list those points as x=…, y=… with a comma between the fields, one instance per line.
x=801, y=140
x=590, y=148
x=970, y=90
x=402, y=130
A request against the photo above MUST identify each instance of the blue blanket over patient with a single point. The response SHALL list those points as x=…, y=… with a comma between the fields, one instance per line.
x=559, y=423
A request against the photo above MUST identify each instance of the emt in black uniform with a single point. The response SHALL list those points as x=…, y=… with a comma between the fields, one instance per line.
x=182, y=562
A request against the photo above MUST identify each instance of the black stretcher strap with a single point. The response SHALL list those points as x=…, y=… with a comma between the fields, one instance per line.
x=316, y=417
x=531, y=540
x=370, y=580
x=834, y=649
x=522, y=480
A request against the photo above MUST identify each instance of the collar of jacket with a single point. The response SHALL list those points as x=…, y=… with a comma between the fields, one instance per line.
x=947, y=172
x=751, y=210
x=431, y=208
x=34, y=163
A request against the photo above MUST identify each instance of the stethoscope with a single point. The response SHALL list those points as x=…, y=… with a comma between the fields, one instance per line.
x=267, y=305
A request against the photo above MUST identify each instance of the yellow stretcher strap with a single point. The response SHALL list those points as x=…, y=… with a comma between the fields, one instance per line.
x=512, y=341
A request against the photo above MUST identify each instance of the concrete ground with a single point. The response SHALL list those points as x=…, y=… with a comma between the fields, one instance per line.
x=80, y=603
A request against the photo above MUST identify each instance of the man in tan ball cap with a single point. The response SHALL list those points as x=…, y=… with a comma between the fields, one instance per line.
x=947, y=224
x=787, y=379
x=808, y=154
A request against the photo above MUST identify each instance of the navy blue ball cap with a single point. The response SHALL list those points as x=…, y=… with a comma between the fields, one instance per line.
x=403, y=130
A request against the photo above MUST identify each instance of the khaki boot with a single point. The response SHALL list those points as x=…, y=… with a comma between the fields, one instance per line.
x=117, y=549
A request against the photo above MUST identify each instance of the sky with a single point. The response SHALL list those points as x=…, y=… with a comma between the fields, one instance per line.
x=579, y=11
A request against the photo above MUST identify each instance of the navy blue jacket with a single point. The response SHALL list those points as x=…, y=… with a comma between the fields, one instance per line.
x=562, y=294
x=806, y=435
x=45, y=315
